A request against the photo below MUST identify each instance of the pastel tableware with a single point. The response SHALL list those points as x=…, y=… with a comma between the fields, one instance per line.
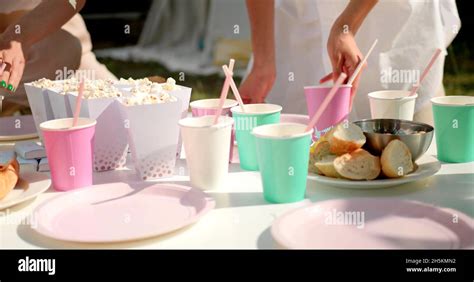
x=31, y=185
x=379, y=132
x=392, y=104
x=70, y=152
x=116, y=212
x=283, y=155
x=337, y=109
x=16, y=128
x=426, y=166
x=365, y=223
x=454, y=128
x=206, y=146
x=294, y=118
x=209, y=107
x=255, y=115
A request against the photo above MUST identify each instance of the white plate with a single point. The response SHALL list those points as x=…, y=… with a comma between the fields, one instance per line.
x=36, y=183
x=365, y=223
x=17, y=128
x=116, y=212
x=427, y=166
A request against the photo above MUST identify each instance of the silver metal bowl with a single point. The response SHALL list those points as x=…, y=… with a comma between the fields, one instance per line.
x=379, y=132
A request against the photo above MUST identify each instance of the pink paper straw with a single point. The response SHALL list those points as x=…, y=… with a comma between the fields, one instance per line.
x=229, y=74
x=77, y=111
x=361, y=64
x=224, y=92
x=2, y=67
x=425, y=72
x=326, y=101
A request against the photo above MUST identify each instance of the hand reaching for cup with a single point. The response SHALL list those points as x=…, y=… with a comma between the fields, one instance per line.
x=345, y=56
x=258, y=84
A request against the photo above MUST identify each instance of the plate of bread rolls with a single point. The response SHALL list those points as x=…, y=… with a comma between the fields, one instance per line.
x=341, y=159
x=16, y=188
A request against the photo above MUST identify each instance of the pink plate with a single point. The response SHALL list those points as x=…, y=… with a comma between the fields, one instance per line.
x=17, y=128
x=303, y=119
x=117, y=212
x=373, y=224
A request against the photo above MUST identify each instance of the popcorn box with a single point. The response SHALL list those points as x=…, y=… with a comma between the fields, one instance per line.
x=153, y=134
x=40, y=106
x=60, y=105
x=111, y=144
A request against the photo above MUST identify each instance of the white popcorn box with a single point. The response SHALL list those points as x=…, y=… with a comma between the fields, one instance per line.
x=184, y=96
x=40, y=106
x=111, y=144
x=60, y=104
x=153, y=137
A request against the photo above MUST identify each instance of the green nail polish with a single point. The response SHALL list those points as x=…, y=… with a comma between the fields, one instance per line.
x=3, y=84
x=10, y=87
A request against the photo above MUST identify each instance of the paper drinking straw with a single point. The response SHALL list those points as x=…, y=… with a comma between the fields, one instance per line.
x=326, y=101
x=425, y=72
x=361, y=64
x=2, y=67
x=224, y=92
x=229, y=74
x=77, y=111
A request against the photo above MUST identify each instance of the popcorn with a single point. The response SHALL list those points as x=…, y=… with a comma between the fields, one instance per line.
x=170, y=84
x=93, y=89
x=147, y=99
x=44, y=83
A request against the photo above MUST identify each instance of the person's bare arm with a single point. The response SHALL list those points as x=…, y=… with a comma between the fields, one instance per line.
x=262, y=76
x=342, y=48
x=44, y=19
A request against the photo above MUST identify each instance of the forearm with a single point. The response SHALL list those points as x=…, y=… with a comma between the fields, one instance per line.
x=354, y=15
x=262, y=21
x=44, y=19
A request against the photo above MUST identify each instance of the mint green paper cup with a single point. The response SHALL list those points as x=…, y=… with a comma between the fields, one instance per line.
x=454, y=128
x=283, y=156
x=254, y=115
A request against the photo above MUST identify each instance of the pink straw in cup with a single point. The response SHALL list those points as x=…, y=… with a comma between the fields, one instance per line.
x=325, y=103
x=425, y=72
x=69, y=148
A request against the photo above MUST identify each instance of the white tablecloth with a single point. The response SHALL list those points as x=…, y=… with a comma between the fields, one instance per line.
x=242, y=218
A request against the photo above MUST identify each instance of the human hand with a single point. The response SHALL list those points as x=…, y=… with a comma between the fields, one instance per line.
x=344, y=55
x=258, y=84
x=12, y=63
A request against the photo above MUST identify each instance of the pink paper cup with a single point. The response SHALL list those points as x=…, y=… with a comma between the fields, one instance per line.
x=70, y=152
x=337, y=110
x=208, y=107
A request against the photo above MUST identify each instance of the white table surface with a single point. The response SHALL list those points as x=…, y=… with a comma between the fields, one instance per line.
x=242, y=218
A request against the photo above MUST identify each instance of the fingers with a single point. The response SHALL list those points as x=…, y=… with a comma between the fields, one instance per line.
x=16, y=74
x=5, y=76
x=326, y=78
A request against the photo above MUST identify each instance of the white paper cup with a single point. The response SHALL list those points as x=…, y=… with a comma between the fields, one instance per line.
x=207, y=150
x=392, y=104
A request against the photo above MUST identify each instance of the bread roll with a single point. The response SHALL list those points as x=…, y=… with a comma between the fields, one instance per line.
x=345, y=138
x=318, y=150
x=9, y=175
x=326, y=166
x=358, y=165
x=396, y=159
